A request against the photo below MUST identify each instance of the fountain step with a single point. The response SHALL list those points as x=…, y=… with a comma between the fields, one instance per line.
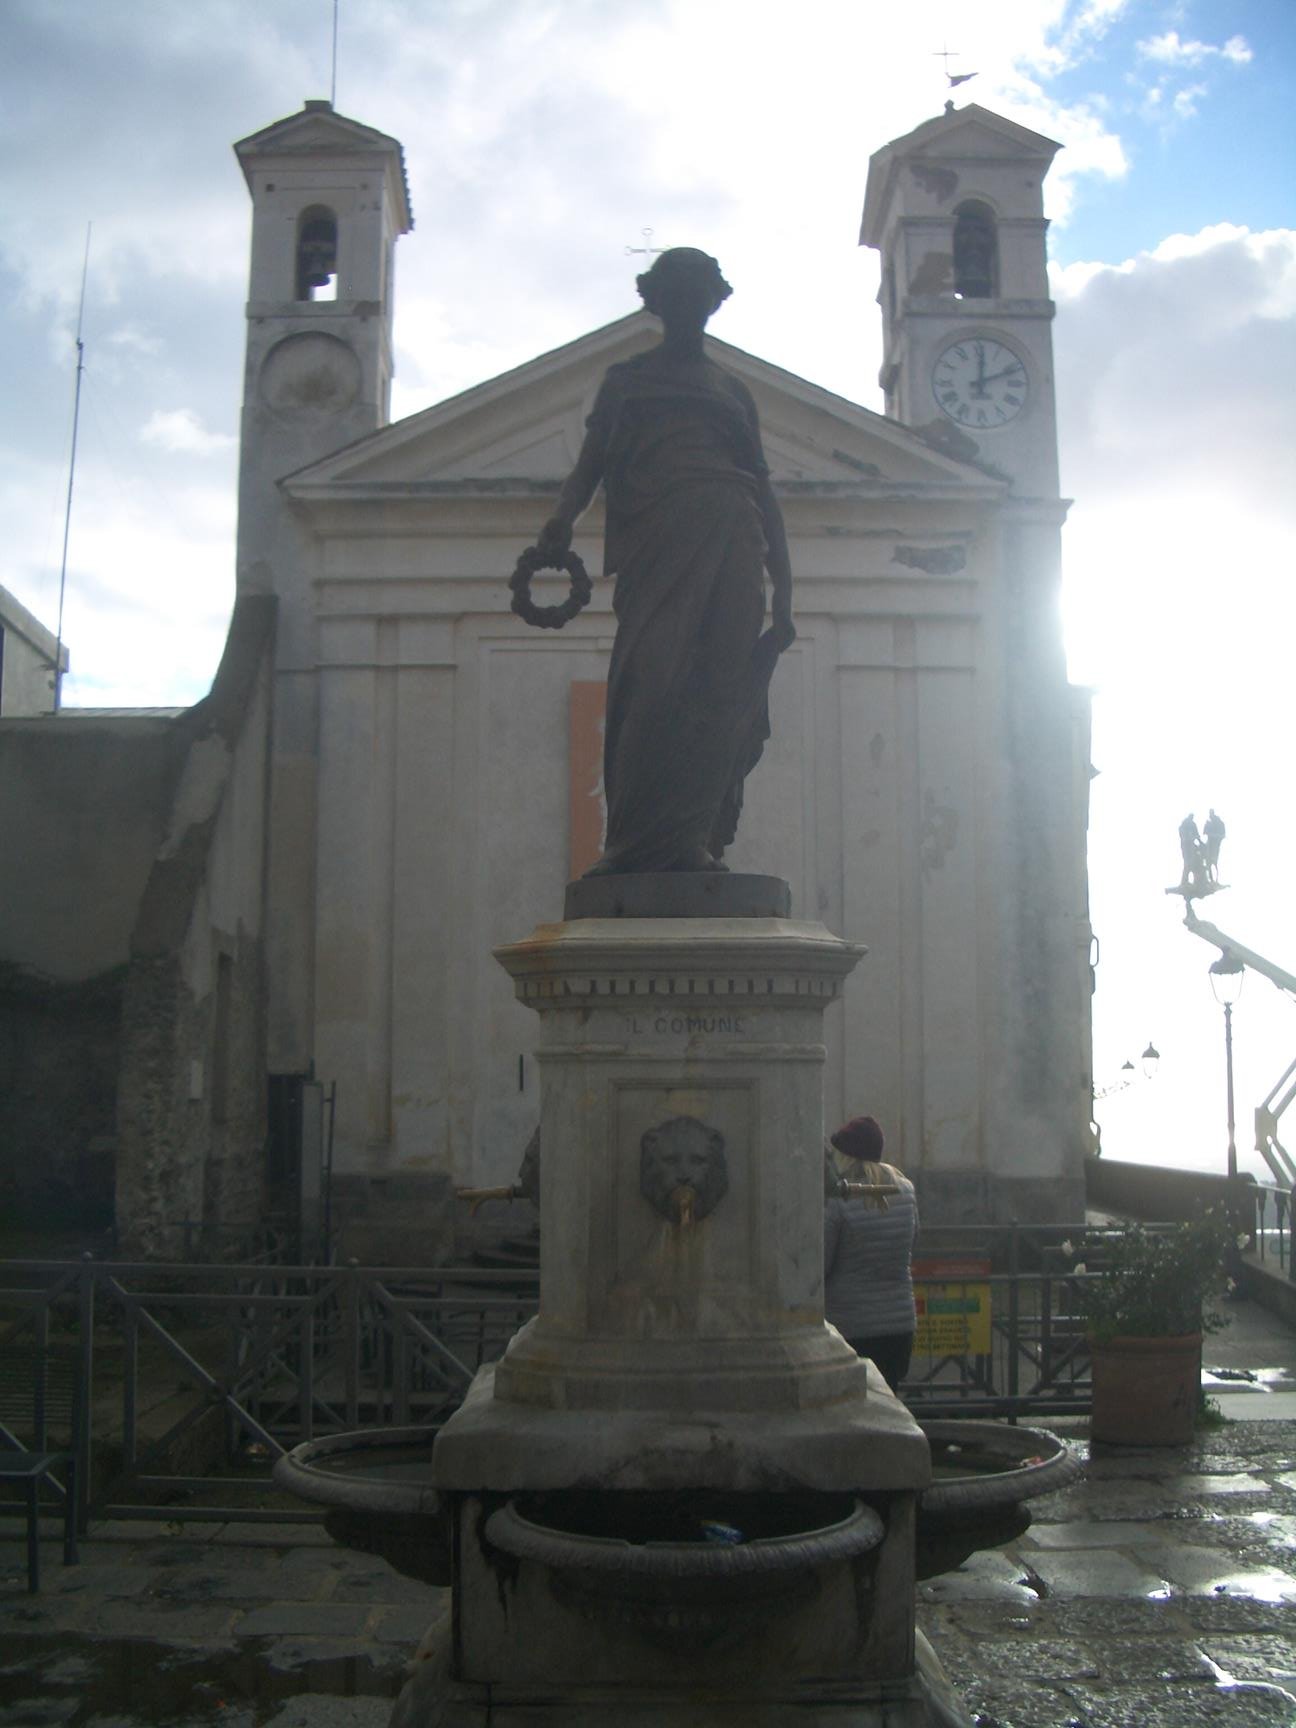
x=433, y=1699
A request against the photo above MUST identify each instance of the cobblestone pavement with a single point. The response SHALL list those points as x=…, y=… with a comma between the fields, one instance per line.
x=1159, y=1591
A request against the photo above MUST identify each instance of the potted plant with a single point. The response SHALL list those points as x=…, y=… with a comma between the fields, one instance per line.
x=1147, y=1305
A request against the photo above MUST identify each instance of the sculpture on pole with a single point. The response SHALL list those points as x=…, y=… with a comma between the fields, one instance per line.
x=1200, y=852
x=692, y=526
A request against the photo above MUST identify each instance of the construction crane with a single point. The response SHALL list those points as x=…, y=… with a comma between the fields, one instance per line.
x=1267, y=1115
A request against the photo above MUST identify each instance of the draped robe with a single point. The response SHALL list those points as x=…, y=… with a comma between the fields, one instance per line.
x=687, y=707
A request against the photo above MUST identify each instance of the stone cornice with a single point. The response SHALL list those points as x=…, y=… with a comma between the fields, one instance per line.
x=692, y=965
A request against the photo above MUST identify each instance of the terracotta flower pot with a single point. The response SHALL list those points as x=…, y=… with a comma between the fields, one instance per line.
x=1145, y=1390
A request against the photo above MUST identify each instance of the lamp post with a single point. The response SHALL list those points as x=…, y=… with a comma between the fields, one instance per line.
x=1226, y=976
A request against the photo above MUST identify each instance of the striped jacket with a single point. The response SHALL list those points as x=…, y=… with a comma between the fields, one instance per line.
x=868, y=1290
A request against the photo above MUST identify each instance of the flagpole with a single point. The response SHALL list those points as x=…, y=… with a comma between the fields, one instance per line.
x=67, y=514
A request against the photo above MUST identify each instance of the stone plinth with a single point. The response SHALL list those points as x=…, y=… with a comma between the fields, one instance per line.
x=674, y=1049
x=680, y=1361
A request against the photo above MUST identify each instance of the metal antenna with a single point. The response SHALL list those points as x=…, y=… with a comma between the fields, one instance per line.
x=67, y=514
x=333, y=86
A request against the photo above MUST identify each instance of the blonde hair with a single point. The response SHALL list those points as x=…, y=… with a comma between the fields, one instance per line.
x=875, y=1173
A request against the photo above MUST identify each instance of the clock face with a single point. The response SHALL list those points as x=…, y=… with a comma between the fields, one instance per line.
x=979, y=383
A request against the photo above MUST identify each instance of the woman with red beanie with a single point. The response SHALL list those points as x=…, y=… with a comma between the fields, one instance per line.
x=868, y=1244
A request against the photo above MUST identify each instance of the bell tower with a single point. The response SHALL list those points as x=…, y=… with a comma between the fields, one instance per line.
x=329, y=201
x=956, y=208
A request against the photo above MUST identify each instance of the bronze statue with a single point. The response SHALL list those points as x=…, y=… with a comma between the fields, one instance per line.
x=692, y=525
x=1213, y=832
x=1194, y=863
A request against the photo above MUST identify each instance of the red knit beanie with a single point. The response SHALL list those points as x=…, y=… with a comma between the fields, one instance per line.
x=860, y=1138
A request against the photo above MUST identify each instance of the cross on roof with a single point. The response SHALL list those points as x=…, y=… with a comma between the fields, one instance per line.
x=647, y=250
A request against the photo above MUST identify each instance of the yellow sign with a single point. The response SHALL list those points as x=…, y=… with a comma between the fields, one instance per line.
x=953, y=1304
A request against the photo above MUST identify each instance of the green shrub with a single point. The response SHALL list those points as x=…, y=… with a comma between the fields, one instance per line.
x=1161, y=1282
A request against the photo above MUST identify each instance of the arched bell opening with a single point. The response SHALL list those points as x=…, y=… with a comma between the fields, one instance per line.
x=317, y=249
x=976, y=252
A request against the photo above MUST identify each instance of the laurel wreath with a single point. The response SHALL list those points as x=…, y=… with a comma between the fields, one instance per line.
x=549, y=617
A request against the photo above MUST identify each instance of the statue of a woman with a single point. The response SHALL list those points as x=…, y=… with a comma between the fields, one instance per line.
x=692, y=525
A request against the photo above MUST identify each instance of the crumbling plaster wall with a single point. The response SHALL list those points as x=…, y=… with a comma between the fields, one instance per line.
x=131, y=968
x=191, y=1096
x=83, y=804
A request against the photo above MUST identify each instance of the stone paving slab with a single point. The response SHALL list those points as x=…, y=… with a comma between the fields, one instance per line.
x=1157, y=1592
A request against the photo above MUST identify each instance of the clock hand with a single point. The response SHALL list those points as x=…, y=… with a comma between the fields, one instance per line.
x=994, y=377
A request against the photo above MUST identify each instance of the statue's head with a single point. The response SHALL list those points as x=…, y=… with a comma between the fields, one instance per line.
x=684, y=280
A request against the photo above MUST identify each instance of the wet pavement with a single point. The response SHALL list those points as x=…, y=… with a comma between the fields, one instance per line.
x=1157, y=1592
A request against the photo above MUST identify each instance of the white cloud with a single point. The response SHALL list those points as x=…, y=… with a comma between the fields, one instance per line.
x=1185, y=101
x=133, y=340
x=180, y=429
x=1170, y=49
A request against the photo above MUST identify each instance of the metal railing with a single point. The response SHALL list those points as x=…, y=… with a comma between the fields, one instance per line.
x=1273, y=1242
x=195, y=1378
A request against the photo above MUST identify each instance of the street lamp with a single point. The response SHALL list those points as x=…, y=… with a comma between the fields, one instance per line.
x=1149, y=1059
x=1226, y=976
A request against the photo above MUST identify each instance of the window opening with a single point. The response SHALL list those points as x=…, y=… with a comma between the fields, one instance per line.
x=317, y=246
x=976, y=252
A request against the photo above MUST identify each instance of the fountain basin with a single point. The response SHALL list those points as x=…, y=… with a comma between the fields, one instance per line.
x=983, y=1473
x=377, y=1487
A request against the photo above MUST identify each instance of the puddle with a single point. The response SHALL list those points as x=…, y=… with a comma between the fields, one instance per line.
x=99, y=1679
x=1271, y=1587
x=1247, y=1379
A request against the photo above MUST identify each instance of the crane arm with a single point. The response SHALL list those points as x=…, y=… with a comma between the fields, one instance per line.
x=1248, y=956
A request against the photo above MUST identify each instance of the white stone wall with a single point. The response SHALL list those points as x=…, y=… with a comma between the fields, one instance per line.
x=886, y=797
x=27, y=653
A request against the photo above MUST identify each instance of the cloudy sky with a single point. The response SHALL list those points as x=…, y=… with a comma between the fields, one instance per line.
x=542, y=137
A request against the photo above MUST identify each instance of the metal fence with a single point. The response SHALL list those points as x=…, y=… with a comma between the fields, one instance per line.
x=1275, y=1215
x=195, y=1378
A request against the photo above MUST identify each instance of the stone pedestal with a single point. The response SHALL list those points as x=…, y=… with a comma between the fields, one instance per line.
x=680, y=1352
x=680, y=1051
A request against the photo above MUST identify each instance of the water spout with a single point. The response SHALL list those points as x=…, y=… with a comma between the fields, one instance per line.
x=683, y=1203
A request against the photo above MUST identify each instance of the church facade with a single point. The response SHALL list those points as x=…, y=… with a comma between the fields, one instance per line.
x=393, y=774
x=435, y=763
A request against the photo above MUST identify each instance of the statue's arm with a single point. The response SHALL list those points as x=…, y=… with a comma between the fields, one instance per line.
x=778, y=560
x=580, y=485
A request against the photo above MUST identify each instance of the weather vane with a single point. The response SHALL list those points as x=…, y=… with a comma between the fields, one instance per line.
x=953, y=79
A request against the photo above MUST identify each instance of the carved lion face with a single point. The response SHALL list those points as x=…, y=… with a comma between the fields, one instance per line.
x=683, y=1153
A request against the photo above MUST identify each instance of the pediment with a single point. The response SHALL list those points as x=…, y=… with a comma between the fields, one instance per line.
x=525, y=428
x=316, y=133
x=972, y=131
x=960, y=135
x=314, y=129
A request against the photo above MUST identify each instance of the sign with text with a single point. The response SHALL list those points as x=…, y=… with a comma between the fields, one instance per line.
x=952, y=1297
